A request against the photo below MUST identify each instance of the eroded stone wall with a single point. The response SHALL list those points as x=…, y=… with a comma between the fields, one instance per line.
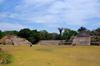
x=49, y=42
x=82, y=41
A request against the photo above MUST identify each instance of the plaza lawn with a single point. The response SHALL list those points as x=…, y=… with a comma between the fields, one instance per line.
x=53, y=55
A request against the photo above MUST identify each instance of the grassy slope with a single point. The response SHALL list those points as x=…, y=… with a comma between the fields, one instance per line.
x=54, y=55
x=2, y=39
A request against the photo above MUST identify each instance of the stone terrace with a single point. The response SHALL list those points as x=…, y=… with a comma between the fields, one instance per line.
x=49, y=42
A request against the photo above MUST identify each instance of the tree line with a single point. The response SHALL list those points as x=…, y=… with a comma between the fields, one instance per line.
x=34, y=36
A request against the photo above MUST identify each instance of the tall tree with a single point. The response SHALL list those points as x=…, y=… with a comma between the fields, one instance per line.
x=25, y=33
x=65, y=33
x=96, y=31
x=42, y=35
x=4, y=33
x=34, y=36
x=60, y=30
x=81, y=29
x=46, y=34
x=71, y=33
x=1, y=34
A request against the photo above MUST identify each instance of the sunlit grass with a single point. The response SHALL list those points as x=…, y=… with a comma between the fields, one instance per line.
x=2, y=39
x=53, y=55
x=5, y=58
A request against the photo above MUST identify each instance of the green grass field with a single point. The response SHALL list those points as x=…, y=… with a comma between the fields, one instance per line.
x=53, y=55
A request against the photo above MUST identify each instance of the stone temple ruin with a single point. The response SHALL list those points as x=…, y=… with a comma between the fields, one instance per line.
x=85, y=38
x=49, y=42
x=15, y=40
x=82, y=38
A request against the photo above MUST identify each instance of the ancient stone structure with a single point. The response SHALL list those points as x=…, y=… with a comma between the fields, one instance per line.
x=15, y=40
x=85, y=33
x=49, y=42
x=54, y=42
x=82, y=41
x=85, y=38
x=82, y=38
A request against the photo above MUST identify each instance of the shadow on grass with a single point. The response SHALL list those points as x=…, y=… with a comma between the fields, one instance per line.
x=44, y=50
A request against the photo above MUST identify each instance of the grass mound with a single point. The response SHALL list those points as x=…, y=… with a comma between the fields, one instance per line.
x=2, y=39
x=5, y=58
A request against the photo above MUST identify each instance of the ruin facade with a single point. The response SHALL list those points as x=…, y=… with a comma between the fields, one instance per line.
x=85, y=38
x=15, y=40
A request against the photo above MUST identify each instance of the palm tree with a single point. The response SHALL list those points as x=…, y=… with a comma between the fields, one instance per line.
x=60, y=30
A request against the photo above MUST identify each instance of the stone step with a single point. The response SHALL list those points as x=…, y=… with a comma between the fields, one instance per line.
x=49, y=42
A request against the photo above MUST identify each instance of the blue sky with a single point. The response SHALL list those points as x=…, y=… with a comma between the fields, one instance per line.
x=49, y=14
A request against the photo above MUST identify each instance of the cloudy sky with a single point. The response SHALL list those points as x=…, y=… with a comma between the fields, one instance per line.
x=49, y=14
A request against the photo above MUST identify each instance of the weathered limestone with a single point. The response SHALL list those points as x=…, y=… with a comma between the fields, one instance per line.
x=85, y=38
x=15, y=40
x=49, y=42
x=82, y=41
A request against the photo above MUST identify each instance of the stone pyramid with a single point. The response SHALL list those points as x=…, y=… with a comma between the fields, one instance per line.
x=12, y=39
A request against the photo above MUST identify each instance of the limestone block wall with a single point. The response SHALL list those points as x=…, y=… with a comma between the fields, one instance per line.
x=7, y=42
x=20, y=41
x=49, y=42
x=82, y=40
x=15, y=40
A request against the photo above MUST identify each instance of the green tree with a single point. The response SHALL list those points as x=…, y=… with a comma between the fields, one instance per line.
x=42, y=35
x=31, y=35
x=34, y=36
x=54, y=35
x=46, y=34
x=24, y=33
x=71, y=33
x=81, y=29
x=65, y=33
x=1, y=34
x=96, y=31
x=60, y=30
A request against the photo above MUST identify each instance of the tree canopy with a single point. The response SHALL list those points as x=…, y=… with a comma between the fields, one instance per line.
x=60, y=30
x=81, y=29
x=1, y=34
x=34, y=36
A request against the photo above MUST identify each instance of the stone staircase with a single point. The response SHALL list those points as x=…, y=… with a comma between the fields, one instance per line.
x=20, y=41
x=49, y=42
x=15, y=40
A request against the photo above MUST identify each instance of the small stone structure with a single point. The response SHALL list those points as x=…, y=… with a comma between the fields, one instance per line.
x=15, y=40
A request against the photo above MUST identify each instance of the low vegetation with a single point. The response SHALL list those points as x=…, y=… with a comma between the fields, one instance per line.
x=34, y=36
x=53, y=55
x=5, y=58
x=2, y=39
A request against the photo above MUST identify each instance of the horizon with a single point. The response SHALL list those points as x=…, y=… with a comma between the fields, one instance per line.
x=49, y=14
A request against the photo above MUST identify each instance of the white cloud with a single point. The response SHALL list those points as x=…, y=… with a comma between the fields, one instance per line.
x=40, y=21
x=7, y=26
x=1, y=1
x=97, y=24
x=53, y=26
x=57, y=11
x=3, y=15
x=14, y=15
x=37, y=2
